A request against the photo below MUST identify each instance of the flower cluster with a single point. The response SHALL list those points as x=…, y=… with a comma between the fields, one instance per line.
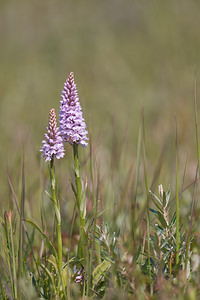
x=72, y=123
x=52, y=145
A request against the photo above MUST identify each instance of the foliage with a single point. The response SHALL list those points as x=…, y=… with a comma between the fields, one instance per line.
x=126, y=245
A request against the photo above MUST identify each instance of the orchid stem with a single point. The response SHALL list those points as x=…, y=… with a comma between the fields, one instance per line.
x=57, y=212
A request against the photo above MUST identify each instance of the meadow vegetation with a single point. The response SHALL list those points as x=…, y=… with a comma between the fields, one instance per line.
x=128, y=227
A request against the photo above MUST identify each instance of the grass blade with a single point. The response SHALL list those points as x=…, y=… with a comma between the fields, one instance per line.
x=51, y=247
x=177, y=203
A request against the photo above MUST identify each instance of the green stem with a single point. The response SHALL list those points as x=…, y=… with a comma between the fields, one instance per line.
x=77, y=176
x=8, y=249
x=59, y=246
x=78, y=185
x=177, y=205
x=148, y=218
x=57, y=213
x=135, y=213
x=148, y=226
x=80, y=204
x=13, y=260
x=196, y=123
x=95, y=202
x=177, y=217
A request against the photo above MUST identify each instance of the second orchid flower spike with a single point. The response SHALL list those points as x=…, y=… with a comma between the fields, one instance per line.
x=72, y=123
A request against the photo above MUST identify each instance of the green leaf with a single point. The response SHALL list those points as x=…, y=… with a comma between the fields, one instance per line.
x=165, y=243
x=50, y=245
x=167, y=194
x=64, y=277
x=153, y=211
x=138, y=254
x=73, y=189
x=99, y=271
x=70, y=261
x=50, y=275
x=52, y=260
x=162, y=219
x=82, y=204
x=155, y=197
x=173, y=220
x=50, y=197
x=82, y=245
x=91, y=215
x=157, y=205
x=164, y=199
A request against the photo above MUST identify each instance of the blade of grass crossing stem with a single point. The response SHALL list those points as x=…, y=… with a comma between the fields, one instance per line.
x=50, y=245
x=147, y=196
x=196, y=123
x=177, y=203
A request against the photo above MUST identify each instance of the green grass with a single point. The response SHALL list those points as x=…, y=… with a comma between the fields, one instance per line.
x=123, y=238
x=136, y=240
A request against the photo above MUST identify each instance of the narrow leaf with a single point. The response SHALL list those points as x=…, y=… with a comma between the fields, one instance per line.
x=100, y=271
x=51, y=247
x=162, y=219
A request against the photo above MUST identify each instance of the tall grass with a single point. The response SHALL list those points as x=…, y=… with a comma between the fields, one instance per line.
x=137, y=246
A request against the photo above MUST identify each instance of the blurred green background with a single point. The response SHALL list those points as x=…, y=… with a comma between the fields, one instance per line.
x=125, y=55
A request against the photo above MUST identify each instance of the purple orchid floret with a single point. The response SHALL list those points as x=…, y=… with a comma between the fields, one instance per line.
x=53, y=144
x=72, y=123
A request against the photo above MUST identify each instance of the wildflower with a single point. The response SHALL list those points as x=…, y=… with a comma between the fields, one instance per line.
x=52, y=145
x=72, y=123
x=79, y=274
